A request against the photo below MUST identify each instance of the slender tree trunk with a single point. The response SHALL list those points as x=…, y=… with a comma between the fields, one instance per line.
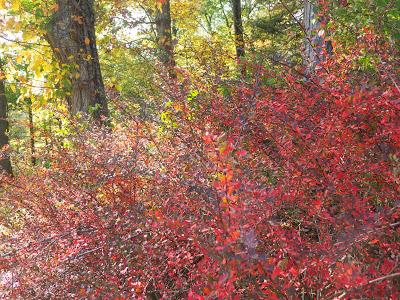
x=71, y=34
x=5, y=163
x=314, y=43
x=164, y=36
x=238, y=28
x=239, y=34
x=310, y=26
x=31, y=133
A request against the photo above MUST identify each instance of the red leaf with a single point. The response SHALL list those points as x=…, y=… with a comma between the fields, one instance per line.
x=277, y=272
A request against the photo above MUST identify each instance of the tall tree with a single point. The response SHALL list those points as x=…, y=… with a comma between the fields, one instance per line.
x=164, y=34
x=5, y=163
x=71, y=34
x=239, y=32
x=238, y=28
x=310, y=25
x=31, y=133
x=316, y=46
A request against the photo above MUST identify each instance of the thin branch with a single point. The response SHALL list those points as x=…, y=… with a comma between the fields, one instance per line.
x=342, y=295
x=384, y=278
x=22, y=43
x=225, y=16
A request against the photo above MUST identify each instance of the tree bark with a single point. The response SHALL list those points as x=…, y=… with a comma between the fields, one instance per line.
x=239, y=32
x=314, y=43
x=31, y=133
x=71, y=35
x=310, y=26
x=238, y=28
x=5, y=163
x=164, y=36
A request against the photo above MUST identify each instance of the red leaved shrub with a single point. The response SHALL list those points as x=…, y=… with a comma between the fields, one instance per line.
x=252, y=190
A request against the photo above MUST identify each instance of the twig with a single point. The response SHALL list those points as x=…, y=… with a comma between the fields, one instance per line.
x=384, y=277
x=370, y=282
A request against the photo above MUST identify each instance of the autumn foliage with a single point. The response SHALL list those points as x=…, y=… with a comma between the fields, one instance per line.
x=277, y=187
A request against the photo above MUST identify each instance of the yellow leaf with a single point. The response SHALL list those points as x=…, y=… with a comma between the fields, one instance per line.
x=43, y=101
x=36, y=65
x=87, y=41
x=27, y=35
x=16, y=5
x=18, y=59
x=10, y=23
x=47, y=67
x=13, y=24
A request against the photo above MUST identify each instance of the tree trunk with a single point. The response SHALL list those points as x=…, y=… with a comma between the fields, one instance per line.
x=238, y=27
x=317, y=48
x=310, y=26
x=71, y=35
x=314, y=43
x=5, y=163
x=31, y=133
x=239, y=33
x=164, y=36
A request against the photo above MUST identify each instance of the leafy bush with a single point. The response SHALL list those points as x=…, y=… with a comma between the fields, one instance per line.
x=254, y=191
